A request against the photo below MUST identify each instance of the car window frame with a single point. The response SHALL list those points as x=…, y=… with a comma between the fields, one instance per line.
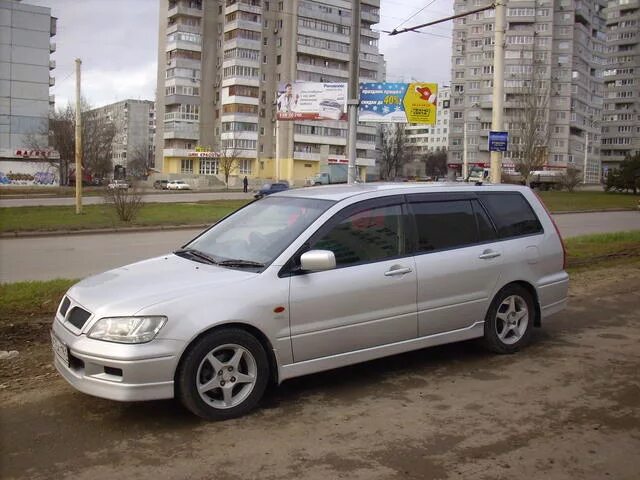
x=292, y=266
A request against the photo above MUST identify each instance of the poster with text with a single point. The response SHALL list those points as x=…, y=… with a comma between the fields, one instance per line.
x=398, y=102
x=312, y=101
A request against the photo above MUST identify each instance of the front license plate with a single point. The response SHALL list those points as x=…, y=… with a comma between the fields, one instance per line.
x=60, y=349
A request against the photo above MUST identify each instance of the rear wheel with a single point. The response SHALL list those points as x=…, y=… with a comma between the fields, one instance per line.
x=224, y=375
x=509, y=321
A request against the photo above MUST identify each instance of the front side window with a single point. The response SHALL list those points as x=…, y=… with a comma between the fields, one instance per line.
x=511, y=214
x=366, y=236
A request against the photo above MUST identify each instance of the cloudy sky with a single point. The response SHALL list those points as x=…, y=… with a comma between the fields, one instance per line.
x=117, y=42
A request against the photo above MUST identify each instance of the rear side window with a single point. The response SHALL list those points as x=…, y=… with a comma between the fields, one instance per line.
x=511, y=213
x=445, y=224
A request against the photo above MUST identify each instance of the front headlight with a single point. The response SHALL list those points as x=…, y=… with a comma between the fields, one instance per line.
x=127, y=329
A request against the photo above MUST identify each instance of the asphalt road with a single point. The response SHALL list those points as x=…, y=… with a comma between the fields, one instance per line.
x=165, y=197
x=566, y=407
x=76, y=256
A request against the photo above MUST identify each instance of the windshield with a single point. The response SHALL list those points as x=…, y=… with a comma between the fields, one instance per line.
x=260, y=231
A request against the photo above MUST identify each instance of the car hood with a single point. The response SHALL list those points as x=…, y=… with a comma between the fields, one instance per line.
x=129, y=289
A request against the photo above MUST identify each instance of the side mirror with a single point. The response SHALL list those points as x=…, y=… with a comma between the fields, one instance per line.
x=317, y=260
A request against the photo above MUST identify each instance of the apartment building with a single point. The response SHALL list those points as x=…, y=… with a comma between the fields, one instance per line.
x=220, y=66
x=555, y=51
x=134, y=123
x=25, y=77
x=621, y=117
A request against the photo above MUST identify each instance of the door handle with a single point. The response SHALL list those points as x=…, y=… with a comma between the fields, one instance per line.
x=488, y=254
x=397, y=271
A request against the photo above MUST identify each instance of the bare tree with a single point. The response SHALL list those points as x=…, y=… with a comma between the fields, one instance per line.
x=570, y=178
x=229, y=162
x=139, y=161
x=529, y=121
x=127, y=202
x=396, y=151
x=435, y=163
x=97, y=139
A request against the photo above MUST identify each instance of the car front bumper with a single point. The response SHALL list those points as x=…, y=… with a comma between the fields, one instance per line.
x=118, y=371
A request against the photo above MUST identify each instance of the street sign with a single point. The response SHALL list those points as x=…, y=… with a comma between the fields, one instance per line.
x=498, y=141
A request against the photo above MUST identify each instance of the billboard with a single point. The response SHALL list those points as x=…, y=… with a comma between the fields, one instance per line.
x=312, y=101
x=398, y=102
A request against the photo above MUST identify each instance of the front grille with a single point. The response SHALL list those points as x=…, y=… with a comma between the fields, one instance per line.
x=78, y=317
x=65, y=306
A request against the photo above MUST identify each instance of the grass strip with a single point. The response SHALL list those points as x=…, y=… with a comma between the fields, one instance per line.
x=585, y=201
x=588, y=251
x=13, y=219
x=23, y=300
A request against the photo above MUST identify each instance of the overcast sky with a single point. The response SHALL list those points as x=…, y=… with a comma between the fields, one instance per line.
x=117, y=42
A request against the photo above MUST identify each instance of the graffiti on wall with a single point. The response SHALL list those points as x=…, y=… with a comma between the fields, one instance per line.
x=37, y=178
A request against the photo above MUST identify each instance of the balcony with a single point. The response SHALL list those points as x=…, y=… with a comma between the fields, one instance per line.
x=185, y=131
x=52, y=81
x=176, y=152
x=309, y=156
x=53, y=29
x=181, y=9
x=52, y=64
x=52, y=47
x=52, y=99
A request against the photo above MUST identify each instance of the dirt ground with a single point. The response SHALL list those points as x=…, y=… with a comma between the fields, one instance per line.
x=567, y=407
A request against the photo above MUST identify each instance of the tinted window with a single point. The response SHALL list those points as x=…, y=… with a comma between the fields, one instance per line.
x=445, y=224
x=511, y=213
x=485, y=229
x=366, y=236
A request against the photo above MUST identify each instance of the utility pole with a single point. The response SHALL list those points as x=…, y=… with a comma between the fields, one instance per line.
x=497, y=121
x=465, y=161
x=353, y=92
x=78, y=141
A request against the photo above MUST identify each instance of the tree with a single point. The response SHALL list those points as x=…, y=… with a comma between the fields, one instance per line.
x=435, y=163
x=229, y=162
x=528, y=117
x=396, y=151
x=570, y=178
x=127, y=202
x=139, y=161
x=97, y=139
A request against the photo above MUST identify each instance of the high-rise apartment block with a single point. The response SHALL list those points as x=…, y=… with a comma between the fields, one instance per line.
x=220, y=65
x=25, y=78
x=621, y=116
x=134, y=124
x=555, y=51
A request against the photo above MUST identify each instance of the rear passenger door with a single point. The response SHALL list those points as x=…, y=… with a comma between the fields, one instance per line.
x=458, y=260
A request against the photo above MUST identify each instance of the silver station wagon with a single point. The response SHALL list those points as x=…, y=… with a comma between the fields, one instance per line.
x=309, y=280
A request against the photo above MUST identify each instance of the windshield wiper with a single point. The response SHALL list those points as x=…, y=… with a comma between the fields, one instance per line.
x=240, y=263
x=196, y=253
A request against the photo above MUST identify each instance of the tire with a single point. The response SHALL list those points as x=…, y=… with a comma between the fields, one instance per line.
x=237, y=386
x=512, y=308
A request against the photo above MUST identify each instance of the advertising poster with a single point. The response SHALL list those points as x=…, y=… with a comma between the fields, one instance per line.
x=398, y=102
x=312, y=101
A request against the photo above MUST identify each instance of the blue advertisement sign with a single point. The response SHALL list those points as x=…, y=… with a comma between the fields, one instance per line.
x=498, y=141
x=398, y=102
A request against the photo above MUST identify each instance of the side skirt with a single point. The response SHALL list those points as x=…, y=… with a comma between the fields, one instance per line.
x=343, y=359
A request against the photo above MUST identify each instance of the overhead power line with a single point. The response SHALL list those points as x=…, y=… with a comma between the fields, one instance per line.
x=416, y=13
x=442, y=20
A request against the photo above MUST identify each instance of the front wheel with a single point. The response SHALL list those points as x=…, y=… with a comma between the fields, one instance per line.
x=509, y=321
x=223, y=375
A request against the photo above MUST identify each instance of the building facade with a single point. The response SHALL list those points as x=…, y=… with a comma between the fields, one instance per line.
x=134, y=124
x=219, y=70
x=25, y=77
x=621, y=118
x=555, y=52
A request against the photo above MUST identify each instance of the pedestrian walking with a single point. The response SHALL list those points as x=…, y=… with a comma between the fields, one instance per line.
x=245, y=184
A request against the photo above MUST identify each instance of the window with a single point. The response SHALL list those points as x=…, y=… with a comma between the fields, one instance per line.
x=512, y=215
x=442, y=225
x=186, y=165
x=365, y=236
x=208, y=167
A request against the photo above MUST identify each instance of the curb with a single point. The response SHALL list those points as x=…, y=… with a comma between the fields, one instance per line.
x=601, y=210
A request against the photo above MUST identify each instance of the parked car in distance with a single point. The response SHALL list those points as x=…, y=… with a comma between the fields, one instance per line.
x=160, y=184
x=178, y=185
x=314, y=279
x=117, y=185
x=269, y=188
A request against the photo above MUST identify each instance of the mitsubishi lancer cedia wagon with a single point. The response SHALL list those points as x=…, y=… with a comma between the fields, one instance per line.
x=309, y=280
